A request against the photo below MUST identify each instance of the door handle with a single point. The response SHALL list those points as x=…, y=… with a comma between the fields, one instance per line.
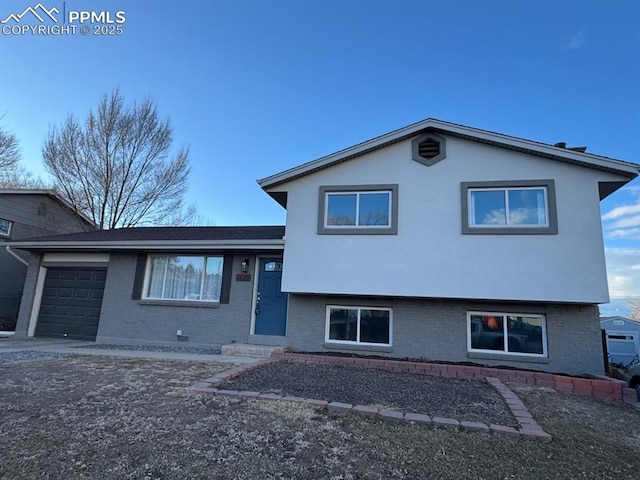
x=257, y=304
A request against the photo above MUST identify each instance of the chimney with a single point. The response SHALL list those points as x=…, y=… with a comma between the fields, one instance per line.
x=575, y=149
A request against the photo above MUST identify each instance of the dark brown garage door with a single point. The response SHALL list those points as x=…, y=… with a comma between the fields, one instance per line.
x=71, y=302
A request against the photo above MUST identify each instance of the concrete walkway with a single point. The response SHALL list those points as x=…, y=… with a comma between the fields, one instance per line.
x=55, y=345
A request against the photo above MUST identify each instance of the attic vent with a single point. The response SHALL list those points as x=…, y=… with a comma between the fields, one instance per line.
x=428, y=149
x=42, y=209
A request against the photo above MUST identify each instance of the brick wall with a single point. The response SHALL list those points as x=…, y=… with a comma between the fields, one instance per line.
x=600, y=388
x=124, y=320
x=437, y=330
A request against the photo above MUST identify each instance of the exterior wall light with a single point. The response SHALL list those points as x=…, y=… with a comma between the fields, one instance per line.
x=244, y=266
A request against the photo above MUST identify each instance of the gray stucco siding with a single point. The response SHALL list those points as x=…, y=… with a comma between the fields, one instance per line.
x=437, y=330
x=124, y=320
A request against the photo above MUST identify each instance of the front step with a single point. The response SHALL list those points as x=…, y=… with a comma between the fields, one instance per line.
x=246, y=350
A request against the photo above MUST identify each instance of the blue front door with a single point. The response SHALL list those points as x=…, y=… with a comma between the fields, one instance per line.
x=271, y=303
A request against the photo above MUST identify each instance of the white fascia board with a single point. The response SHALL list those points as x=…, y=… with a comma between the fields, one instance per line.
x=27, y=191
x=156, y=245
x=626, y=169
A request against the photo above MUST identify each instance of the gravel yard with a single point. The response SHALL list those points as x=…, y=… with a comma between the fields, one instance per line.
x=22, y=356
x=472, y=400
x=88, y=417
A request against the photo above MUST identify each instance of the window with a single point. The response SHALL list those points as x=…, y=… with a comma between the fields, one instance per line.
x=525, y=334
x=509, y=207
x=185, y=278
x=5, y=227
x=273, y=267
x=362, y=325
x=370, y=209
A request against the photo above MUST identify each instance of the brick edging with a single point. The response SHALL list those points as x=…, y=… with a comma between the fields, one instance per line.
x=529, y=428
x=601, y=388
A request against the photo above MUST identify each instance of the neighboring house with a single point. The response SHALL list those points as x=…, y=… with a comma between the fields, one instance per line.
x=24, y=214
x=623, y=339
x=434, y=241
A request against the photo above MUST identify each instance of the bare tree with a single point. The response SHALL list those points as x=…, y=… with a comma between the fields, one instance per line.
x=9, y=156
x=18, y=177
x=634, y=305
x=116, y=168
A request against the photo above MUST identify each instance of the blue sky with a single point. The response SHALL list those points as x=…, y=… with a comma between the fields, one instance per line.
x=255, y=87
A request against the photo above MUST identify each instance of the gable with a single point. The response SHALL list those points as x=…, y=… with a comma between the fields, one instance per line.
x=38, y=212
x=431, y=128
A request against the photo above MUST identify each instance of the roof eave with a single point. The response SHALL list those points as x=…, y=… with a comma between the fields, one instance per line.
x=619, y=167
x=150, y=245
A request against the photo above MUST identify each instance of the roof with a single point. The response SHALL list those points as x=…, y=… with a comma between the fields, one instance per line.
x=50, y=193
x=618, y=318
x=158, y=238
x=625, y=169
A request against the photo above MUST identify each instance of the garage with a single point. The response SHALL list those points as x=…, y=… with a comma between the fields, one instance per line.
x=71, y=302
x=623, y=339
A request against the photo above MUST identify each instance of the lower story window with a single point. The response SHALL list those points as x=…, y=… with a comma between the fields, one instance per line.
x=184, y=278
x=520, y=334
x=365, y=325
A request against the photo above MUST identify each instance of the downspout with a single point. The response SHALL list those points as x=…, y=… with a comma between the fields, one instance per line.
x=16, y=256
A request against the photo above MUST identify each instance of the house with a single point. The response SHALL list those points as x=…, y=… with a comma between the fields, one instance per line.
x=155, y=284
x=23, y=214
x=435, y=241
x=623, y=339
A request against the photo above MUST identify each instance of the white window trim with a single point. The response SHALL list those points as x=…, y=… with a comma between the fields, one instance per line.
x=147, y=281
x=506, y=191
x=358, y=193
x=8, y=232
x=357, y=342
x=504, y=352
x=468, y=228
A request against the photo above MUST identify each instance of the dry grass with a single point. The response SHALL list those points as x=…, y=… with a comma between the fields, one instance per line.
x=115, y=418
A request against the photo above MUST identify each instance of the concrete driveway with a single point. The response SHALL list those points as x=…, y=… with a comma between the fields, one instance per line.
x=58, y=345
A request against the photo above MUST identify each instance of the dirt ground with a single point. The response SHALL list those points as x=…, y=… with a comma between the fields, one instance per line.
x=460, y=399
x=122, y=418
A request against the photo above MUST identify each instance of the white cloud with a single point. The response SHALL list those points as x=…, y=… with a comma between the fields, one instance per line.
x=626, y=233
x=621, y=212
x=626, y=222
x=623, y=221
x=494, y=217
x=623, y=271
x=578, y=39
x=517, y=216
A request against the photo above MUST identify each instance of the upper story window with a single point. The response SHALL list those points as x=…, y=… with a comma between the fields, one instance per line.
x=518, y=207
x=184, y=278
x=515, y=207
x=368, y=209
x=5, y=227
